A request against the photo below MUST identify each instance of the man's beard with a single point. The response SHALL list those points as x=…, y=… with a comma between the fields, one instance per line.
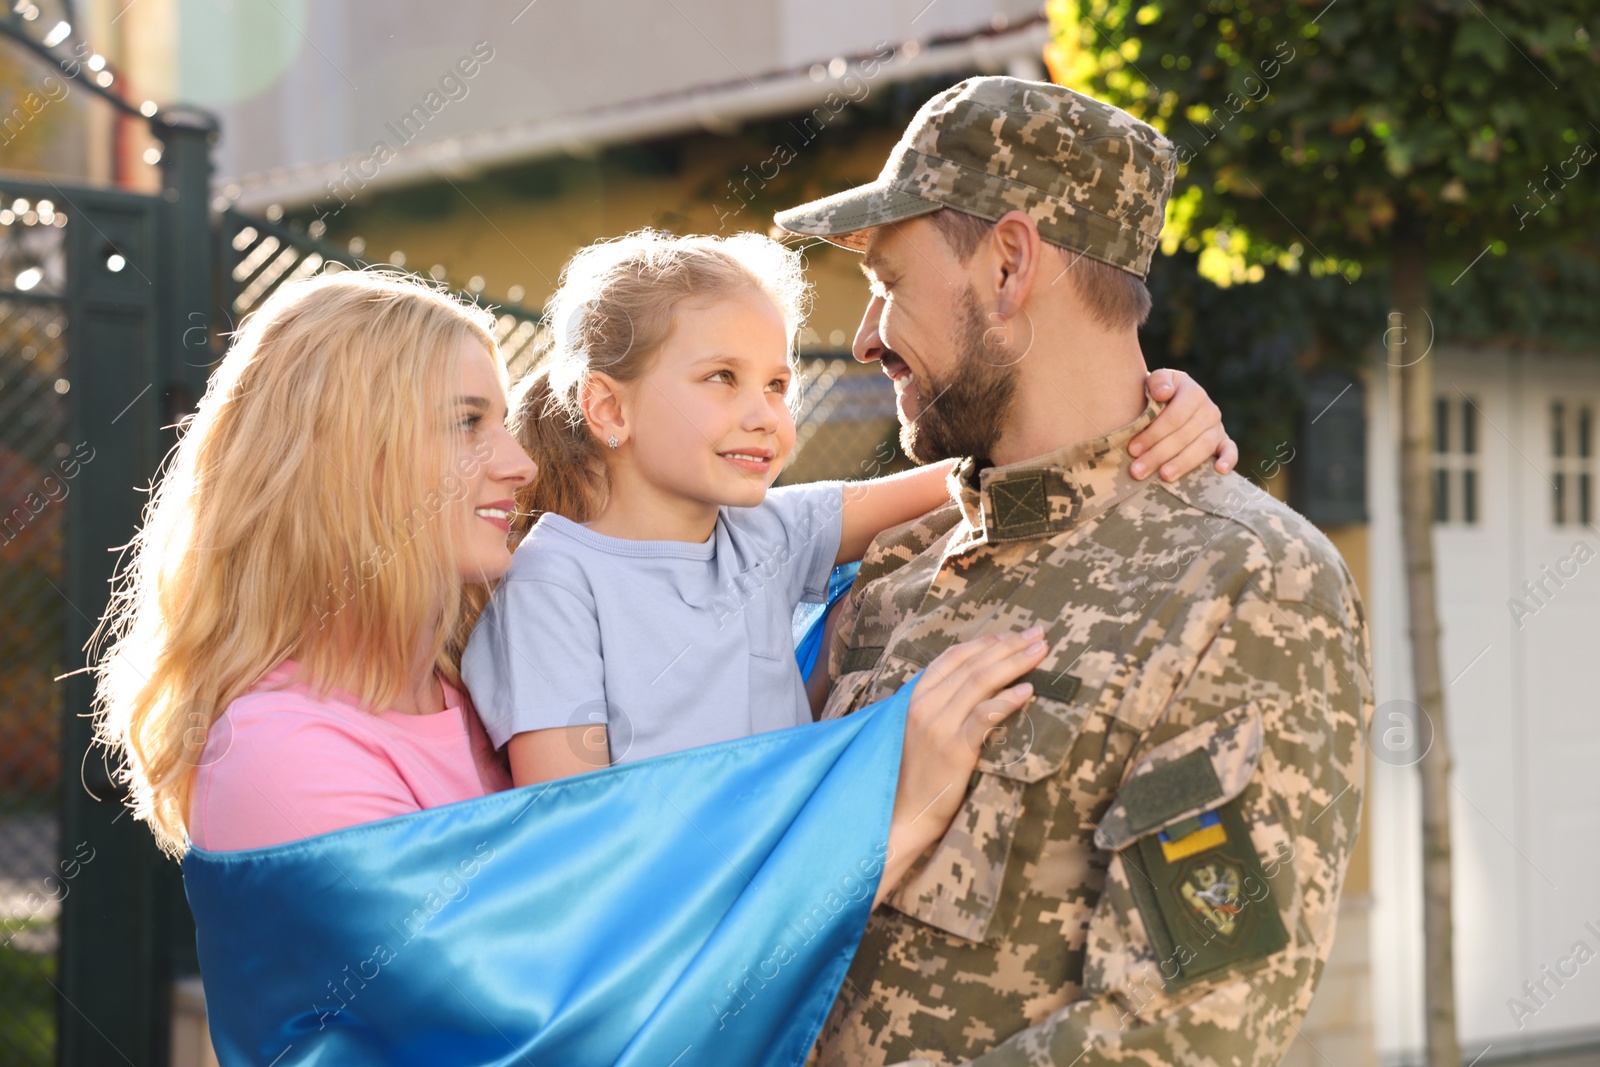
x=964, y=415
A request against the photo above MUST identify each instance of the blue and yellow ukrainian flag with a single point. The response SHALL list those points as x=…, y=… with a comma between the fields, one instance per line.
x=700, y=907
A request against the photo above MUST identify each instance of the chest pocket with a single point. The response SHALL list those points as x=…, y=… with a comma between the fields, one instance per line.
x=957, y=885
x=770, y=633
x=1032, y=743
x=856, y=675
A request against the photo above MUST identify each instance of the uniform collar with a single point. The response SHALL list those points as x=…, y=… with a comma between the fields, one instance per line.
x=1051, y=493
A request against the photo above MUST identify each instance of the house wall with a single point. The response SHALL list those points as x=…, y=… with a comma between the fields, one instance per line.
x=516, y=238
x=289, y=104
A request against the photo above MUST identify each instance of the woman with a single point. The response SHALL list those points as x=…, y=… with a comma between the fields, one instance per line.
x=283, y=663
x=320, y=538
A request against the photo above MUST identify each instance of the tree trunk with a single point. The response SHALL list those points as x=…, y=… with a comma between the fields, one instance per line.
x=1407, y=348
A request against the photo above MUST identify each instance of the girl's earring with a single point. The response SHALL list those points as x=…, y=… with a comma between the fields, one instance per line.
x=612, y=440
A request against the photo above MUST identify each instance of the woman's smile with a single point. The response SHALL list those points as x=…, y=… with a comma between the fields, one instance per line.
x=498, y=513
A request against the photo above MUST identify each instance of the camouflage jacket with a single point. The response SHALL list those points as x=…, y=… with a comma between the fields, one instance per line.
x=1146, y=868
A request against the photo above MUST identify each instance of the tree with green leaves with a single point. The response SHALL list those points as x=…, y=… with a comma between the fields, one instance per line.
x=1347, y=136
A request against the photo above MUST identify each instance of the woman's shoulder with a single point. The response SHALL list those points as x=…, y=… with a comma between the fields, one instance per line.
x=280, y=732
x=279, y=706
x=274, y=696
x=281, y=763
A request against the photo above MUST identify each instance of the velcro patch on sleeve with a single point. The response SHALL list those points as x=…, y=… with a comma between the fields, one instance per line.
x=1171, y=789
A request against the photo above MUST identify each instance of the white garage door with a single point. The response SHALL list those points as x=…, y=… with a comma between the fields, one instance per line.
x=1519, y=596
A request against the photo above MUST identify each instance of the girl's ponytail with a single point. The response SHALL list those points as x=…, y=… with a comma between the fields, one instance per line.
x=572, y=475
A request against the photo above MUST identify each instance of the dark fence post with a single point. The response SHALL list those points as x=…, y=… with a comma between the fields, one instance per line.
x=111, y=996
x=187, y=135
x=187, y=296
x=140, y=298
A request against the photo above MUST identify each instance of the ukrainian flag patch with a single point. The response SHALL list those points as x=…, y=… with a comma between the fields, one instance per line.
x=1192, y=836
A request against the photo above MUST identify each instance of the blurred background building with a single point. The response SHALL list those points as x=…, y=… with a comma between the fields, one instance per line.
x=483, y=143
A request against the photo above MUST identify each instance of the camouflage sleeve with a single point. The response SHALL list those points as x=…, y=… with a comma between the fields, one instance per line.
x=889, y=551
x=1230, y=837
x=844, y=623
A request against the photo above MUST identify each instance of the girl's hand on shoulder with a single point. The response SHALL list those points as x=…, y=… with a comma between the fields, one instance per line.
x=1185, y=434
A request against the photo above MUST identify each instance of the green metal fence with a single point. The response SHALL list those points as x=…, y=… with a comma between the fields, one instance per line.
x=257, y=255
x=35, y=459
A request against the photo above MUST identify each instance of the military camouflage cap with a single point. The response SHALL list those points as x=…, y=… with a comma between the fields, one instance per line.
x=1094, y=178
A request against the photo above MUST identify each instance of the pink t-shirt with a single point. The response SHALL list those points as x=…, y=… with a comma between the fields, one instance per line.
x=281, y=765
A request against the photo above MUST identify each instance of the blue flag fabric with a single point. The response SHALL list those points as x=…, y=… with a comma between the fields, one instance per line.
x=699, y=907
x=811, y=619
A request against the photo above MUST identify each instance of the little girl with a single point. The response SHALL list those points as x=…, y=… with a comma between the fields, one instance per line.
x=653, y=598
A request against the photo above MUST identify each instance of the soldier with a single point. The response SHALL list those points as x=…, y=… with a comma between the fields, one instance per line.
x=1147, y=864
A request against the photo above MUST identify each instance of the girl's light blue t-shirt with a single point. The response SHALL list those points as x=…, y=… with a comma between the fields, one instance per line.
x=669, y=644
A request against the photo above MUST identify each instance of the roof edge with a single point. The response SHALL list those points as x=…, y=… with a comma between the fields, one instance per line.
x=717, y=107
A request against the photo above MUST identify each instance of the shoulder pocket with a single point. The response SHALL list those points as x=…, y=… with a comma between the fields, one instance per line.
x=1195, y=875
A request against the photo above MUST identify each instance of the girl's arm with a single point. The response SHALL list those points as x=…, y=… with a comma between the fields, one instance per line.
x=872, y=506
x=817, y=682
x=534, y=655
x=559, y=752
x=1186, y=433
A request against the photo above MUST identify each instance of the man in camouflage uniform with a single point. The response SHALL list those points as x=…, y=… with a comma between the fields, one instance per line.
x=1147, y=865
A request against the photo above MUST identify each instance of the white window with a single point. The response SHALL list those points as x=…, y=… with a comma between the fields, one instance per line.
x=1571, y=460
x=1455, y=460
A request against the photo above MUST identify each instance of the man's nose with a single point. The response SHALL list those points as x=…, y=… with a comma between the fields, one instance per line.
x=868, y=346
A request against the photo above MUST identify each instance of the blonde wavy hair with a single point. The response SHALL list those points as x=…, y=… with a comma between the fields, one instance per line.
x=616, y=306
x=299, y=517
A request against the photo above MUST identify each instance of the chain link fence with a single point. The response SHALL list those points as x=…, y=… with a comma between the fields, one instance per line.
x=259, y=255
x=845, y=424
x=35, y=489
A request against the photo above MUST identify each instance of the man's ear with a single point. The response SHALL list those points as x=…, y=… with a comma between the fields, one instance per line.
x=1016, y=255
x=605, y=406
